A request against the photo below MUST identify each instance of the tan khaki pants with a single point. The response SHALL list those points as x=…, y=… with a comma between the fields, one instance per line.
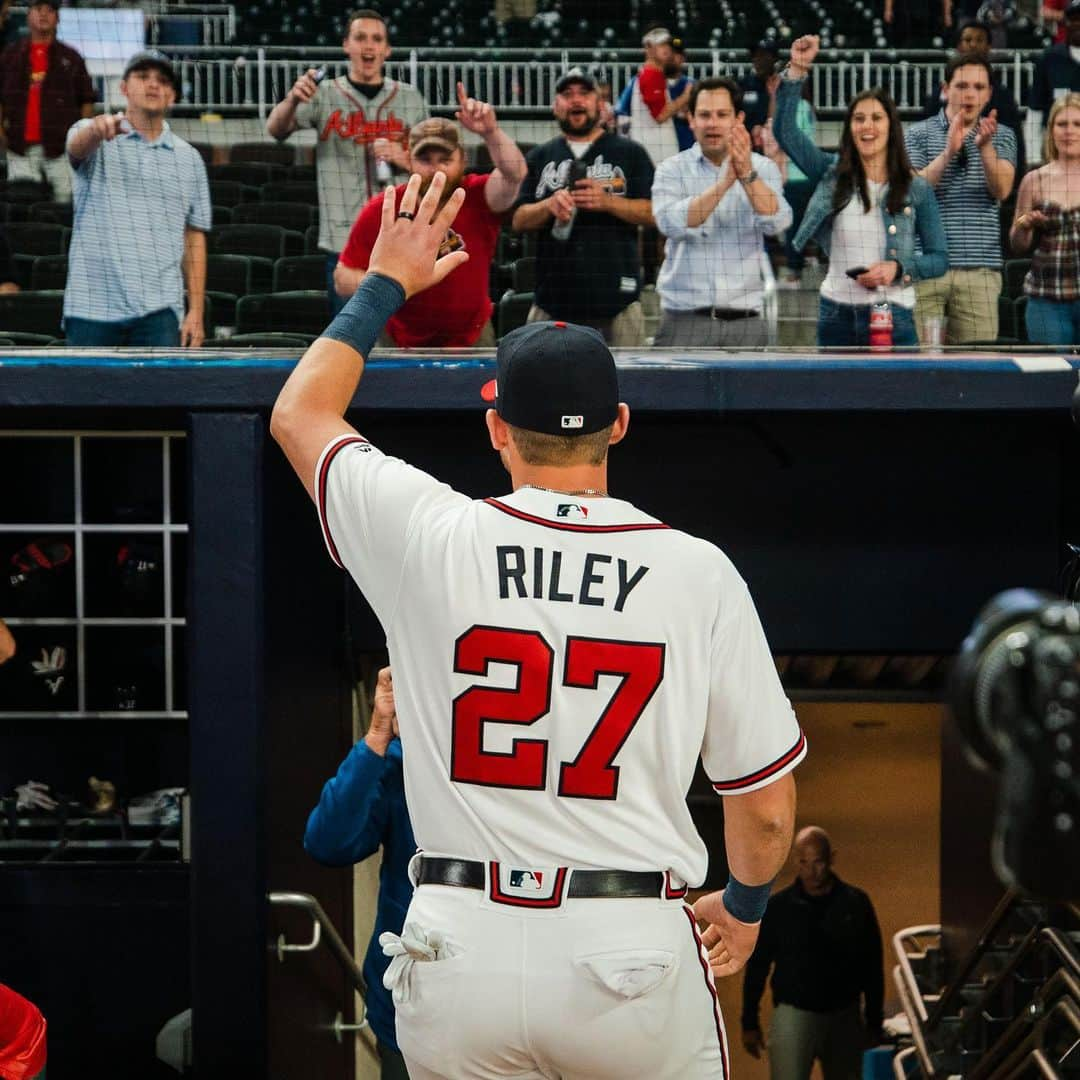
x=625, y=330
x=966, y=301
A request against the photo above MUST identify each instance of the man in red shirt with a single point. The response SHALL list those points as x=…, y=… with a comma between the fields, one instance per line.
x=44, y=89
x=456, y=313
x=22, y=1037
x=651, y=111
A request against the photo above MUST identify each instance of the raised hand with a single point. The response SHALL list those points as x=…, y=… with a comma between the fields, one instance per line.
x=473, y=115
x=305, y=87
x=739, y=146
x=108, y=125
x=803, y=52
x=407, y=247
x=384, y=724
x=986, y=128
x=954, y=141
x=729, y=941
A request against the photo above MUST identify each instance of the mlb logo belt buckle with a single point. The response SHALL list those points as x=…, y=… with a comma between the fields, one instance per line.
x=526, y=886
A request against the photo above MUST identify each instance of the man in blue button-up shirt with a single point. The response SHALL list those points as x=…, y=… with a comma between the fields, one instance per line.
x=715, y=203
x=142, y=211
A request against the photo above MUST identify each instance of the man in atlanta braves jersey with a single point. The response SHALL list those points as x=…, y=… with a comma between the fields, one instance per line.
x=561, y=660
x=359, y=119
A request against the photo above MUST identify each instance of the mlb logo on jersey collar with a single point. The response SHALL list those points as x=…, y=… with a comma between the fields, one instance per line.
x=526, y=886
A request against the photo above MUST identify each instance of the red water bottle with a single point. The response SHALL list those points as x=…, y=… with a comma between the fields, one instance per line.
x=881, y=325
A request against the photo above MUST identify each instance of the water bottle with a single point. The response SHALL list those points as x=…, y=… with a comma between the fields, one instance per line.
x=384, y=174
x=561, y=230
x=881, y=324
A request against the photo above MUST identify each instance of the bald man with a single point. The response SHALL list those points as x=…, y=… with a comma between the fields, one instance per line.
x=821, y=938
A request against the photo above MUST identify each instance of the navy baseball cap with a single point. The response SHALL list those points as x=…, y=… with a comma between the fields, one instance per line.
x=555, y=378
x=767, y=45
x=151, y=58
x=575, y=75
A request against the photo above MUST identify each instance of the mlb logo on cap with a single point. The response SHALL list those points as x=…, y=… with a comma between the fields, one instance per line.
x=573, y=421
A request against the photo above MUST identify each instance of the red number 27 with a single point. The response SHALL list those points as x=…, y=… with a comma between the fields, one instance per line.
x=591, y=774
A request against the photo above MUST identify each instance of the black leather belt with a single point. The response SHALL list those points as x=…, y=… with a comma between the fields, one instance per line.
x=584, y=884
x=724, y=314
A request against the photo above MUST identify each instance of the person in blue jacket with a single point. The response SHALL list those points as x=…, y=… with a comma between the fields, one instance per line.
x=361, y=809
x=867, y=211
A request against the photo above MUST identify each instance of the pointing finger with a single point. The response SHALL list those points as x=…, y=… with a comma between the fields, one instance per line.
x=461, y=95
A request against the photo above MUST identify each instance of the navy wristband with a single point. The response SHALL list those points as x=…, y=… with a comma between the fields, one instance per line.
x=746, y=902
x=360, y=322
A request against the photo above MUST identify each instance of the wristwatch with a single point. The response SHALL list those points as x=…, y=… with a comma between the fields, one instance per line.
x=749, y=178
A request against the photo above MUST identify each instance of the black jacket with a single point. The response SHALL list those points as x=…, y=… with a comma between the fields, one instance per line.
x=826, y=951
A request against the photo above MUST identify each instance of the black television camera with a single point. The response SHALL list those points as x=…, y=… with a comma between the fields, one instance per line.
x=1016, y=698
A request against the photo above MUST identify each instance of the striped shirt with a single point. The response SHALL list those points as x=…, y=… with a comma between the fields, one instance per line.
x=1055, y=266
x=970, y=214
x=134, y=200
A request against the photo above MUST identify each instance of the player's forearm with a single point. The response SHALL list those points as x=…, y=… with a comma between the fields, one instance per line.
x=762, y=198
x=999, y=172
x=936, y=169
x=83, y=141
x=758, y=828
x=317, y=393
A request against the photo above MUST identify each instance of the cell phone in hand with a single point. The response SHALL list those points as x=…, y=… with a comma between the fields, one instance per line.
x=319, y=75
x=856, y=271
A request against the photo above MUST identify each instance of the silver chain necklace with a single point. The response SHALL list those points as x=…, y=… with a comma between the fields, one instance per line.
x=555, y=491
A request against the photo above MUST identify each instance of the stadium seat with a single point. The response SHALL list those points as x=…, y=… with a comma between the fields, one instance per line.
x=220, y=310
x=523, y=274
x=301, y=174
x=206, y=152
x=255, y=173
x=54, y=213
x=27, y=341
x=1014, y=274
x=300, y=272
x=290, y=191
x=512, y=311
x=267, y=241
x=262, y=341
x=303, y=312
x=32, y=312
x=230, y=193
x=1019, y=319
x=229, y=274
x=37, y=238
x=25, y=191
x=1006, y=317
x=311, y=240
x=273, y=152
x=220, y=215
x=289, y=215
x=49, y=272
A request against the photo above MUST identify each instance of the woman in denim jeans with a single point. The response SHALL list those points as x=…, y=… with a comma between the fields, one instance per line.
x=1048, y=217
x=867, y=211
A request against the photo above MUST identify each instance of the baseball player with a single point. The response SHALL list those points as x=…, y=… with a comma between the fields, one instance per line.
x=561, y=660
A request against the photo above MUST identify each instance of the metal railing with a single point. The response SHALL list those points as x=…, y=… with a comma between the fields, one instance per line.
x=323, y=926
x=251, y=80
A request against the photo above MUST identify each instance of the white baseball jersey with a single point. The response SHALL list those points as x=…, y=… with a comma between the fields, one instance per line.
x=559, y=662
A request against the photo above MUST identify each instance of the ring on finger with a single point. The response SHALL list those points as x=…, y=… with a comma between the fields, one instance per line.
x=407, y=214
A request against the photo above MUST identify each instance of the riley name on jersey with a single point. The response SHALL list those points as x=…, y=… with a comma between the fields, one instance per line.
x=542, y=575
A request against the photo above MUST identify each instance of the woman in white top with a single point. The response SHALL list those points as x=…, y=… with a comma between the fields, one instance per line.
x=867, y=211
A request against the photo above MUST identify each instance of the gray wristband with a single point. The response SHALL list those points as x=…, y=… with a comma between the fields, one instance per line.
x=746, y=902
x=361, y=320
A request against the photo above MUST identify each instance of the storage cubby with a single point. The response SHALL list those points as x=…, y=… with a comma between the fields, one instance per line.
x=93, y=575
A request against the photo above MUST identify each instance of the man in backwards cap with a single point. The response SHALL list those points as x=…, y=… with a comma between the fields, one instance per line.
x=561, y=660
x=142, y=211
